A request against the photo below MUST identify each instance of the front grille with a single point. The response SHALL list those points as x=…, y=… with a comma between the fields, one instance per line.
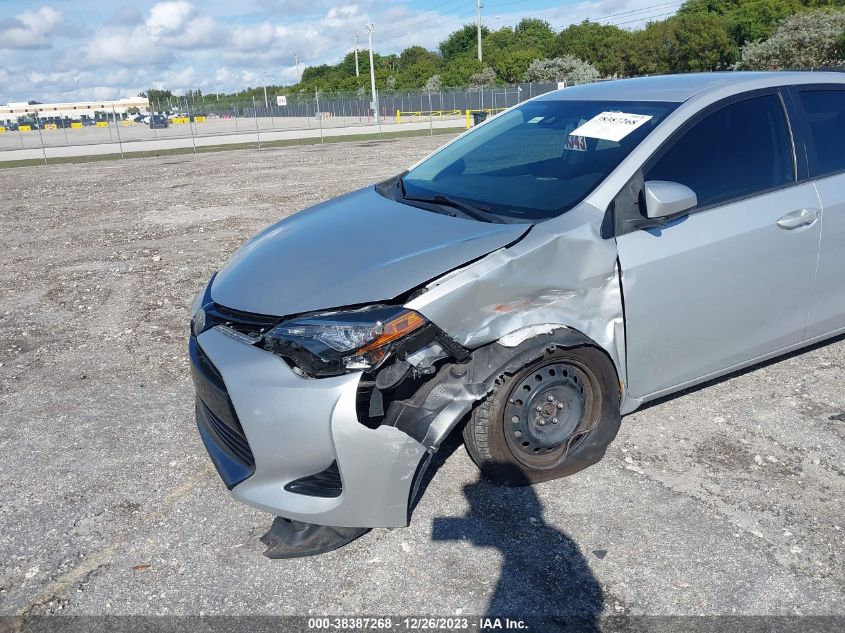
x=206, y=366
x=231, y=438
x=218, y=424
x=243, y=322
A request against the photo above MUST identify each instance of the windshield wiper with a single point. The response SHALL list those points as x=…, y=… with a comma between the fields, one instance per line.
x=473, y=211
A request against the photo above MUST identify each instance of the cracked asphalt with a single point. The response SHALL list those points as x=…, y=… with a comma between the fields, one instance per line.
x=724, y=500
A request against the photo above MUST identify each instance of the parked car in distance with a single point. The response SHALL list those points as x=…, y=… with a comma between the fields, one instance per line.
x=535, y=279
x=158, y=121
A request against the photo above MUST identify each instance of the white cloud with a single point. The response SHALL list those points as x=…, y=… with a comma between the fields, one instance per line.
x=170, y=18
x=169, y=27
x=341, y=17
x=225, y=45
x=30, y=29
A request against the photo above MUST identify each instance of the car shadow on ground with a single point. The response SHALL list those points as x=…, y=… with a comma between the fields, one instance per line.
x=543, y=572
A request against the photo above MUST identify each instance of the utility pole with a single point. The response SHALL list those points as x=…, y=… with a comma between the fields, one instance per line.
x=478, y=25
x=370, y=29
x=355, y=38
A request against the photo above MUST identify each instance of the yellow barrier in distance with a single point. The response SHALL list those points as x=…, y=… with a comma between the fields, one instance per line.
x=2, y=130
x=199, y=119
x=76, y=126
x=25, y=128
x=426, y=114
x=51, y=126
x=102, y=124
x=128, y=123
x=179, y=119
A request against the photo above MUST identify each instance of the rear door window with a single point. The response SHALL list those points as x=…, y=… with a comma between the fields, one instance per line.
x=737, y=151
x=825, y=111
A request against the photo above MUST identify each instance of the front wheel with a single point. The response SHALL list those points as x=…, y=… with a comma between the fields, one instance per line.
x=551, y=419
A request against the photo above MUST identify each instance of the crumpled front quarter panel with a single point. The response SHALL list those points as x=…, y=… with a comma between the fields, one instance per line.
x=562, y=273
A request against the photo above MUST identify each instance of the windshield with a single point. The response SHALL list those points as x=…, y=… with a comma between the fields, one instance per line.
x=527, y=164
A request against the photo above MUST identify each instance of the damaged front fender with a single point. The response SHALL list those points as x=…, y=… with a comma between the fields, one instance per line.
x=434, y=410
x=563, y=273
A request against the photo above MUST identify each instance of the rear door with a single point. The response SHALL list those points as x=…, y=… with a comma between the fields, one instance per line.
x=732, y=280
x=824, y=115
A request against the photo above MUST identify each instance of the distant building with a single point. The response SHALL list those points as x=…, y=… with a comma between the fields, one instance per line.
x=72, y=110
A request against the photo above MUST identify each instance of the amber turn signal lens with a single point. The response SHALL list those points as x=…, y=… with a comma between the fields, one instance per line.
x=397, y=327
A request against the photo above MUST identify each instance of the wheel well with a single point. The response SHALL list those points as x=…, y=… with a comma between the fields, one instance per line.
x=442, y=402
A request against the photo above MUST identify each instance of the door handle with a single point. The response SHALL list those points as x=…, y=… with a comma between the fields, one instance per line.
x=797, y=219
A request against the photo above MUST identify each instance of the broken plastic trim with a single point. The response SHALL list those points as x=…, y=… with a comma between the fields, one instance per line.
x=295, y=539
x=433, y=411
x=399, y=379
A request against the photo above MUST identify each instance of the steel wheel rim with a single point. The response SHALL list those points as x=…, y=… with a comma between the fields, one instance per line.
x=557, y=390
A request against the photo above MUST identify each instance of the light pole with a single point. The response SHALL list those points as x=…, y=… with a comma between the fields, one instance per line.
x=478, y=25
x=370, y=29
x=355, y=39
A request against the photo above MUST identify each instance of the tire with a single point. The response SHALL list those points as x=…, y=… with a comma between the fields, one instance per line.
x=577, y=392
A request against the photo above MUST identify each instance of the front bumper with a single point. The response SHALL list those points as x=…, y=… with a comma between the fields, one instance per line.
x=296, y=427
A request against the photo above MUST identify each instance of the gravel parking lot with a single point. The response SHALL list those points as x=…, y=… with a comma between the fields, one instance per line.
x=726, y=500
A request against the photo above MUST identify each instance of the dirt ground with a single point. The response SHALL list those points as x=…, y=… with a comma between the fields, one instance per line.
x=725, y=500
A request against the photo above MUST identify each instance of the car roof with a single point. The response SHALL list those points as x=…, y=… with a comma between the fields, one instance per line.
x=679, y=88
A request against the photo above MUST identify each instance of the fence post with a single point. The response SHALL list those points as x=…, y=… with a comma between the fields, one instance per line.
x=41, y=136
x=255, y=115
x=319, y=114
x=191, y=125
x=117, y=129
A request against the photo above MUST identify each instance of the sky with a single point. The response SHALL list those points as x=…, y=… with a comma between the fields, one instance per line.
x=63, y=50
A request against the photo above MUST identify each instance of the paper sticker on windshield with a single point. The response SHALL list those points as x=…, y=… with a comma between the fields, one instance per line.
x=611, y=126
x=576, y=143
x=536, y=119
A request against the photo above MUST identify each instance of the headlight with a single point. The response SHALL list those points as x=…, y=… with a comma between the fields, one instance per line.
x=199, y=322
x=333, y=343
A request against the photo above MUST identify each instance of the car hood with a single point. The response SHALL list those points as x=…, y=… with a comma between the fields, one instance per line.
x=356, y=249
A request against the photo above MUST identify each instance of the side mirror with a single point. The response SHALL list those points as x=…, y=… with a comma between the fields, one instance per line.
x=663, y=198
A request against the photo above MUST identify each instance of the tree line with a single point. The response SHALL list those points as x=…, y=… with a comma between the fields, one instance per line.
x=704, y=35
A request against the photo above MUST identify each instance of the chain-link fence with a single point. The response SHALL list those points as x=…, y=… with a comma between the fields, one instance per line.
x=197, y=122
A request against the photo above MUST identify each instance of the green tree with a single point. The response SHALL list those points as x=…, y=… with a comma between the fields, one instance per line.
x=510, y=66
x=434, y=84
x=486, y=78
x=159, y=99
x=682, y=43
x=566, y=69
x=813, y=39
x=462, y=41
x=458, y=71
x=534, y=34
x=750, y=20
x=418, y=56
x=603, y=45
